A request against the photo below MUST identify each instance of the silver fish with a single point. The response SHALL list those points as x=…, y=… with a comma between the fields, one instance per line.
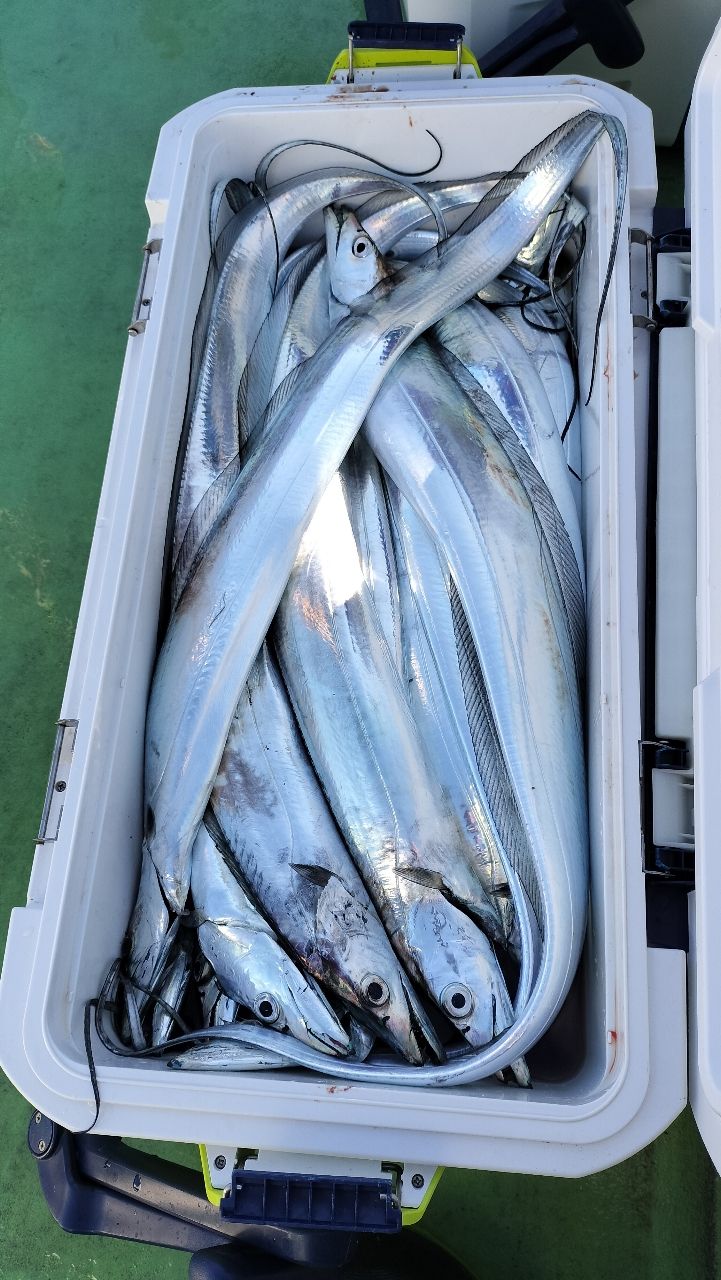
x=428, y=636
x=368, y=515
x=499, y=364
x=222, y=1055
x=547, y=349
x=226, y=1010
x=257, y=383
x=435, y=678
x=414, y=858
x=396, y=219
x=146, y=939
x=569, y=575
x=362, y=1040
x=250, y=965
x=224, y=613
x=513, y=622
x=262, y=233
x=171, y=990
x=272, y=814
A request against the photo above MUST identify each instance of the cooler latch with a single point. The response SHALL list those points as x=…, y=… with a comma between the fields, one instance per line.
x=311, y=1202
x=667, y=811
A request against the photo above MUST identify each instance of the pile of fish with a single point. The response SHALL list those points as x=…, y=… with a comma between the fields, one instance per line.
x=365, y=846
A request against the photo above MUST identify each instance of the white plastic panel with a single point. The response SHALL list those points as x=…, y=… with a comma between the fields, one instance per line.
x=612, y=1101
x=703, y=206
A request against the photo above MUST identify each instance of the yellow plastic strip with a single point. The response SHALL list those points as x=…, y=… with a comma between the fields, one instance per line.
x=214, y=1194
x=366, y=58
x=412, y=1216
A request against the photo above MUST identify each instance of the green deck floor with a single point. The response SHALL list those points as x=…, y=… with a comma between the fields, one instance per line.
x=84, y=89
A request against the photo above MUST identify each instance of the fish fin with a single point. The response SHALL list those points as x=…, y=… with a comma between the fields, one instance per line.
x=316, y=875
x=489, y=757
x=565, y=576
x=200, y=528
x=481, y=907
x=254, y=392
x=279, y=398
x=228, y=198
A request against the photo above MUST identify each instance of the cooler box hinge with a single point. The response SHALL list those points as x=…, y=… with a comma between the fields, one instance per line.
x=57, y=781
x=650, y=311
x=146, y=285
x=666, y=800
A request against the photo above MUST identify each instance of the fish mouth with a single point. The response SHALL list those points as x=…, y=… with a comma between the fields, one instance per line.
x=328, y=1043
x=421, y=1046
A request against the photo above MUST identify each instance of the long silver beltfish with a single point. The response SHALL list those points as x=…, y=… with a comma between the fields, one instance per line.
x=250, y=965
x=499, y=363
x=355, y=718
x=510, y=614
x=355, y=265
x=445, y=711
x=260, y=235
x=269, y=806
x=223, y=1055
x=226, y=609
x=171, y=991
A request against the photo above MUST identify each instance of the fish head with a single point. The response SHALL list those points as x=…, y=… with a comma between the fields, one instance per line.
x=355, y=264
x=282, y=997
x=361, y=965
x=459, y=968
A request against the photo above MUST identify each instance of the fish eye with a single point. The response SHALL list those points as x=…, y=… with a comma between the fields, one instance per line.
x=360, y=246
x=375, y=990
x=457, y=1000
x=266, y=1008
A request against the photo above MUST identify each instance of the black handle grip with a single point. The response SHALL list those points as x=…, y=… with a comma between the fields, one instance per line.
x=406, y=35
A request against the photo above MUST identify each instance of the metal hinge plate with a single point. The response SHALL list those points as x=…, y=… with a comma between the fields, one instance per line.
x=57, y=781
x=146, y=284
x=670, y=858
x=645, y=319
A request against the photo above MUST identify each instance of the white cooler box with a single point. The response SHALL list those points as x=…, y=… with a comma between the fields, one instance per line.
x=629, y=1079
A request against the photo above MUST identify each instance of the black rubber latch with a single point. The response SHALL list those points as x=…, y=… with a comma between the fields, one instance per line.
x=306, y=1200
x=406, y=35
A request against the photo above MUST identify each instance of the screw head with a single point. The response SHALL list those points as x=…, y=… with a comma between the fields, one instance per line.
x=42, y=1146
x=38, y=1117
x=417, y=1181
x=219, y=1162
